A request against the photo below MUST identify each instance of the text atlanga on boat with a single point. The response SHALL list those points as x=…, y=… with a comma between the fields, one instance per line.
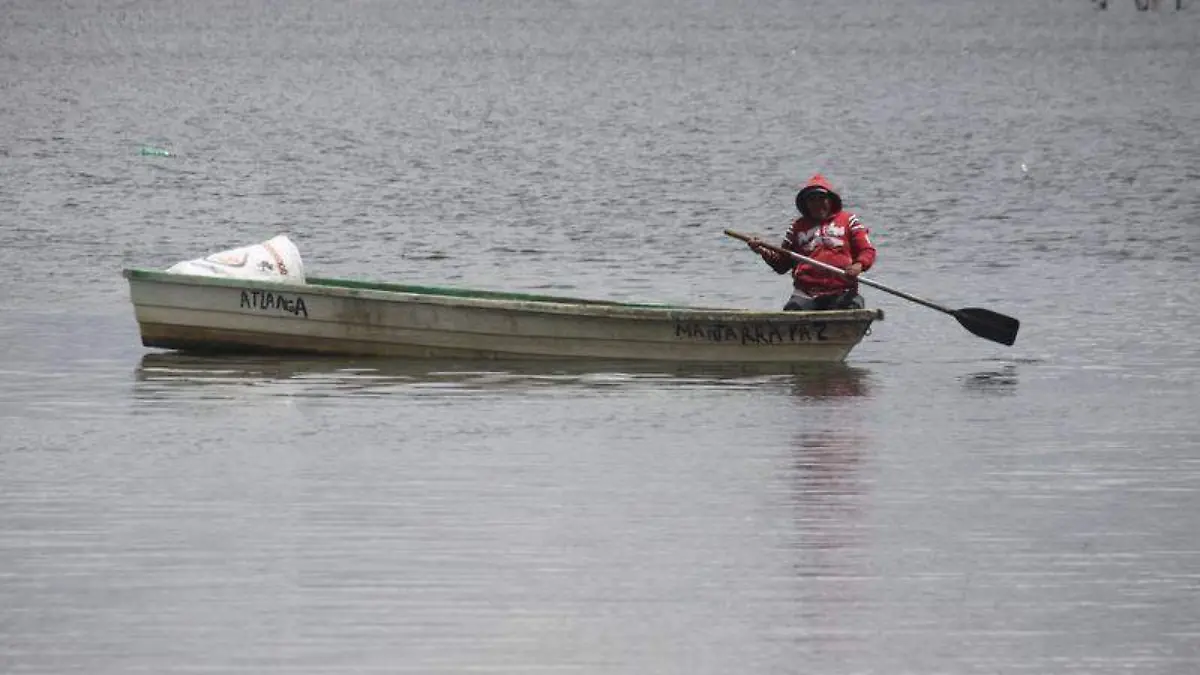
x=257, y=299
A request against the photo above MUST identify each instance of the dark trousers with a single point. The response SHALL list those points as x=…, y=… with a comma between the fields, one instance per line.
x=847, y=300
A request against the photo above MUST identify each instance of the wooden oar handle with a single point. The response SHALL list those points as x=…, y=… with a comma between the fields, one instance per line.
x=781, y=251
x=747, y=238
x=788, y=254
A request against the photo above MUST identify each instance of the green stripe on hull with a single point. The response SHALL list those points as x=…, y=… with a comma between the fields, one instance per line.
x=452, y=292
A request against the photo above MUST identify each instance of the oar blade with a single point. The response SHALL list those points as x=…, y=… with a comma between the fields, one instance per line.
x=989, y=325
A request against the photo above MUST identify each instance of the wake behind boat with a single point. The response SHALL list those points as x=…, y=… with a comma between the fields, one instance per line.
x=242, y=301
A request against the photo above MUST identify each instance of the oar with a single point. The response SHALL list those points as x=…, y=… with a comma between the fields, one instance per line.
x=982, y=322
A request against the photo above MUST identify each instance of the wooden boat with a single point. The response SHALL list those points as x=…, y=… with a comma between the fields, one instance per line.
x=357, y=318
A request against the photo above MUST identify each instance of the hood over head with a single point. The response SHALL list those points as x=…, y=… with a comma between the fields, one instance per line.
x=818, y=184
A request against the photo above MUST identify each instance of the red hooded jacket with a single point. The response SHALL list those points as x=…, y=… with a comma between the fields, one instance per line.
x=840, y=240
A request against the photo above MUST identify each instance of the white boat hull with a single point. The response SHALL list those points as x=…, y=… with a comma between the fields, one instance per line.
x=197, y=313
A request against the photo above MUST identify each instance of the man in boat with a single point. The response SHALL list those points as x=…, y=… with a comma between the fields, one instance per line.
x=826, y=233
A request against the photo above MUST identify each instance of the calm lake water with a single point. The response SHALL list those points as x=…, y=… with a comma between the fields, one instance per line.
x=938, y=504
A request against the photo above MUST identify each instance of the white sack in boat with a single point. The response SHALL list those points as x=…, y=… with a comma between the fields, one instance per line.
x=276, y=259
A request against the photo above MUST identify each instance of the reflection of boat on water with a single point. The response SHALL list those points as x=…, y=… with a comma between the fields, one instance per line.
x=829, y=494
x=170, y=369
x=182, y=365
x=832, y=383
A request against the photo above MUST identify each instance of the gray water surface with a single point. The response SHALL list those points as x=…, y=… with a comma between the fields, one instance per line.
x=938, y=504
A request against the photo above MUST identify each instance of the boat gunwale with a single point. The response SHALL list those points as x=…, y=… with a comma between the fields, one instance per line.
x=429, y=295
